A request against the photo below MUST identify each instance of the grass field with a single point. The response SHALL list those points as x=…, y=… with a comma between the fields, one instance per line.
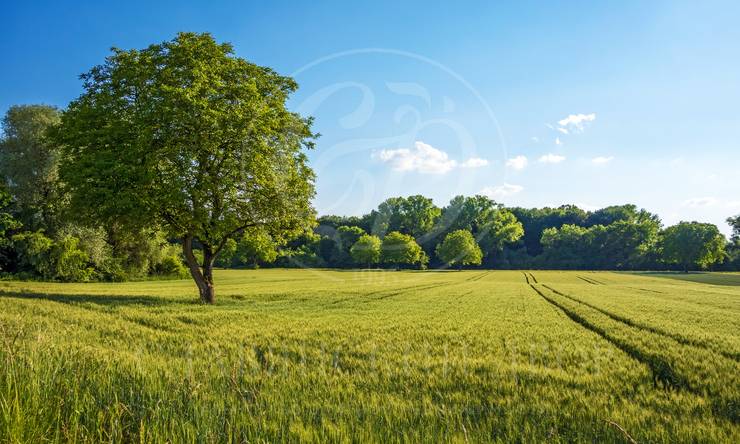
x=306, y=355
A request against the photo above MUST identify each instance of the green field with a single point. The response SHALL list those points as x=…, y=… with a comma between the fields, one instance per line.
x=306, y=355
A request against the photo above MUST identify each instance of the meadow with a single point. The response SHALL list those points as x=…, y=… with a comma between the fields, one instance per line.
x=383, y=356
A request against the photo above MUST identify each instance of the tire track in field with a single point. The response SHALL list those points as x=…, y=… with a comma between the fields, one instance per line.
x=372, y=293
x=722, y=402
x=662, y=371
x=526, y=278
x=639, y=325
x=590, y=281
x=388, y=293
x=478, y=277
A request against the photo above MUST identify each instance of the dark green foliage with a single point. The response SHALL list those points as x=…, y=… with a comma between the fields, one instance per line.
x=693, y=245
x=491, y=225
x=620, y=245
x=536, y=220
x=28, y=165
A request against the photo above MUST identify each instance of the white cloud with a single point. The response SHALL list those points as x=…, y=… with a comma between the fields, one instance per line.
x=474, y=162
x=734, y=204
x=601, y=160
x=423, y=158
x=517, y=163
x=575, y=122
x=698, y=202
x=557, y=141
x=551, y=158
x=501, y=191
x=536, y=139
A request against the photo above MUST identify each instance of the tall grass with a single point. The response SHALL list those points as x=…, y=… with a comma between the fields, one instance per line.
x=308, y=356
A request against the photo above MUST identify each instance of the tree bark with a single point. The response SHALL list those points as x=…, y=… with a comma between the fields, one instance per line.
x=203, y=277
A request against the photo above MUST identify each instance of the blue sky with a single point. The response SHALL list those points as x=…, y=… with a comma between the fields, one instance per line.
x=532, y=103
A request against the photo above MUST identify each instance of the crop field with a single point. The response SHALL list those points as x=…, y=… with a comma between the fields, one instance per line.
x=356, y=356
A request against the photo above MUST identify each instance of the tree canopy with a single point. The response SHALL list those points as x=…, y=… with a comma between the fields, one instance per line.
x=693, y=244
x=187, y=136
x=401, y=249
x=28, y=164
x=366, y=251
x=459, y=248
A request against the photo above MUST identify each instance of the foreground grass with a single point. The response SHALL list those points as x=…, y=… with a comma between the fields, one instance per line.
x=305, y=355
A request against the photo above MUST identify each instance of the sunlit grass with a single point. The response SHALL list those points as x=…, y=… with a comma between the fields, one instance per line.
x=307, y=355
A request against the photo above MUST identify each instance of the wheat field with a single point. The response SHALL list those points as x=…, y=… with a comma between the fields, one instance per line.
x=379, y=356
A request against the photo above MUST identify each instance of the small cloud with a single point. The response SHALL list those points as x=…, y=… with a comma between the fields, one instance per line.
x=517, y=163
x=575, y=122
x=501, y=191
x=563, y=130
x=474, y=162
x=423, y=158
x=601, y=160
x=551, y=158
x=698, y=202
x=557, y=141
x=536, y=139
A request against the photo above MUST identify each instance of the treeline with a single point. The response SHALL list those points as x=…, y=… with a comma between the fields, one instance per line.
x=41, y=237
x=477, y=231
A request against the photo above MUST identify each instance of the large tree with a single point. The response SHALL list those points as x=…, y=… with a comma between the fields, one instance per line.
x=693, y=244
x=187, y=136
x=28, y=164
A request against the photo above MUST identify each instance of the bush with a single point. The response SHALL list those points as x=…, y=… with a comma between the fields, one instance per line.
x=58, y=260
x=69, y=263
x=170, y=263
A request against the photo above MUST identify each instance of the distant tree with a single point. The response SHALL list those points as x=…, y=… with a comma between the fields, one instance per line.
x=459, y=248
x=734, y=222
x=491, y=225
x=498, y=228
x=401, y=249
x=566, y=247
x=693, y=244
x=346, y=237
x=619, y=213
x=413, y=215
x=187, y=136
x=366, y=251
x=733, y=247
x=29, y=165
x=536, y=220
x=228, y=254
x=255, y=247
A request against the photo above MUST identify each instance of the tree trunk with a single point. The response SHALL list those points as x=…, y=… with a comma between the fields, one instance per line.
x=203, y=277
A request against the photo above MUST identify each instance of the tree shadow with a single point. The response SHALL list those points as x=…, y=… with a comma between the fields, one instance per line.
x=104, y=299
